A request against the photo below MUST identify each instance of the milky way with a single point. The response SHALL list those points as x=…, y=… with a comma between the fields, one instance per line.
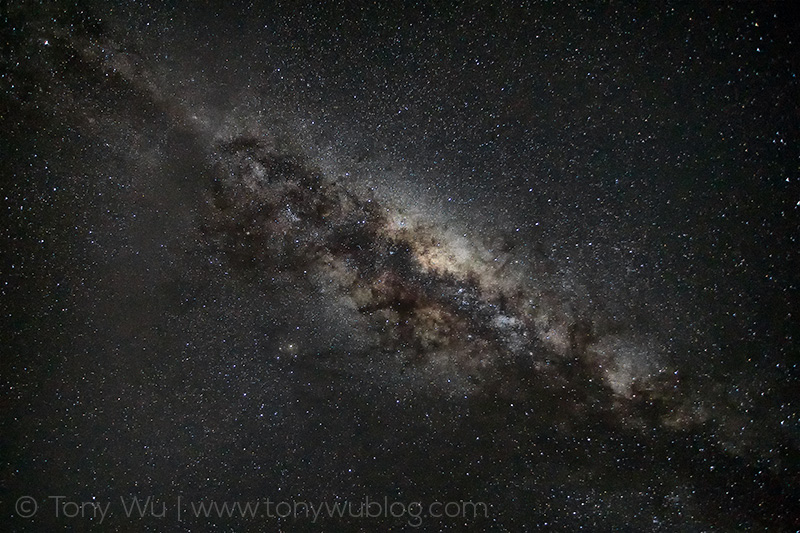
x=438, y=303
x=525, y=256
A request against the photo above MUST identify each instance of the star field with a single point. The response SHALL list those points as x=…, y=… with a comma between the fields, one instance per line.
x=541, y=257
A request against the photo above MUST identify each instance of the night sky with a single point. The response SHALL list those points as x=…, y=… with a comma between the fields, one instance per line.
x=540, y=257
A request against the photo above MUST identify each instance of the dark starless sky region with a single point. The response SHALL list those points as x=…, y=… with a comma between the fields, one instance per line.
x=537, y=256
